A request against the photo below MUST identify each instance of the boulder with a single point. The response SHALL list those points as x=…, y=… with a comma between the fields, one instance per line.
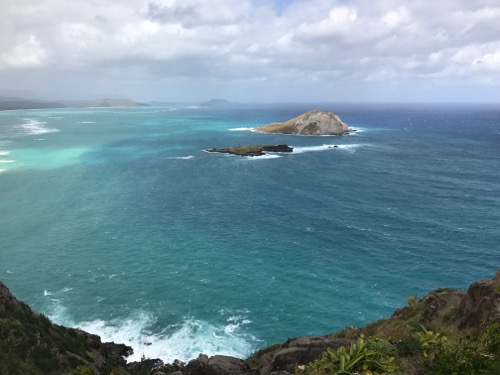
x=283, y=359
x=216, y=365
x=481, y=304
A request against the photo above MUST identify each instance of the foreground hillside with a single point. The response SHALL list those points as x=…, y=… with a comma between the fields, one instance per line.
x=446, y=332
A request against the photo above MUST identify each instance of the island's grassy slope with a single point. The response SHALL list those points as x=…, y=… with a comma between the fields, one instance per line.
x=447, y=332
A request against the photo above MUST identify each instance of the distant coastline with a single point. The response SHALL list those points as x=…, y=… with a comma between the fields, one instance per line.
x=13, y=104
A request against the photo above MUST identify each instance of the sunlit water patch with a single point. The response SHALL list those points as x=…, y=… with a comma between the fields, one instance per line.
x=45, y=158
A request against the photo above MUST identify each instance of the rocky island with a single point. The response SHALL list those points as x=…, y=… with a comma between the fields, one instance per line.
x=256, y=150
x=446, y=332
x=315, y=122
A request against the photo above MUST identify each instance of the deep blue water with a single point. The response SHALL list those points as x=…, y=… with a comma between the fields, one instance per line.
x=117, y=221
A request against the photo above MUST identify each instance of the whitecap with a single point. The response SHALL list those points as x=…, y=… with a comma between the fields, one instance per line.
x=261, y=157
x=86, y=122
x=36, y=127
x=47, y=293
x=3, y=153
x=183, y=341
x=190, y=157
x=241, y=129
x=6, y=161
x=235, y=322
x=301, y=150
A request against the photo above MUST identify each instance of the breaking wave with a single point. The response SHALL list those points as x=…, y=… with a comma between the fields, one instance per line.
x=301, y=150
x=183, y=341
x=33, y=126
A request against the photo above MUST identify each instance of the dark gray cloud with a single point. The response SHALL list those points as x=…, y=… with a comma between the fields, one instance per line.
x=187, y=15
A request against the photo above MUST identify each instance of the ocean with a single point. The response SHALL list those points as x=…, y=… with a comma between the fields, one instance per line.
x=116, y=220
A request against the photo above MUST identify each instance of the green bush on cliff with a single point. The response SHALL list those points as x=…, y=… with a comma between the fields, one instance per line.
x=371, y=357
x=469, y=356
x=81, y=370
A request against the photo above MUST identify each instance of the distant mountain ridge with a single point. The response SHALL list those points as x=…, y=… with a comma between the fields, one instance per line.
x=217, y=103
x=12, y=103
x=108, y=102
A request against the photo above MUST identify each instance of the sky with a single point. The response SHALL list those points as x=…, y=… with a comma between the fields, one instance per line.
x=252, y=50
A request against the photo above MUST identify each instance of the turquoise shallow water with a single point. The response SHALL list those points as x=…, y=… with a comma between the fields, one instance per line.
x=117, y=221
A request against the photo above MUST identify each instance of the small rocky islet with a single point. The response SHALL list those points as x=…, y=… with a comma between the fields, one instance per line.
x=315, y=122
x=255, y=150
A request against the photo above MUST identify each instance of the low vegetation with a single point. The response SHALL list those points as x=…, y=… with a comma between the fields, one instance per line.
x=445, y=333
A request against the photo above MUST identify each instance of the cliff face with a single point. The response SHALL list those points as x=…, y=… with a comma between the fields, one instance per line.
x=31, y=344
x=314, y=122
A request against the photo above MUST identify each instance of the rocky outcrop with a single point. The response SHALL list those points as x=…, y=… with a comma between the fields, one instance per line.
x=216, y=365
x=257, y=150
x=477, y=307
x=7, y=300
x=315, y=122
x=30, y=343
x=284, y=358
x=481, y=304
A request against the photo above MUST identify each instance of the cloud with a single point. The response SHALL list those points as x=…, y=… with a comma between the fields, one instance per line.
x=245, y=45
x=28, y=53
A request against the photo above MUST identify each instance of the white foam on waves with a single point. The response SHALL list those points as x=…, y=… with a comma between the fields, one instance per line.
x=190, y=157
x=86, y=122
x=183, y=341
x=36, y=127
x=301, y=150
x=262, y=157
x=241, y=129
x=5, y=161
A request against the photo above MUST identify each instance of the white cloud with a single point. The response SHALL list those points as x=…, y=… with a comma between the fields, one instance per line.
x=339, y=21
x=29, y=53
x=137, y=45
x=396, y=18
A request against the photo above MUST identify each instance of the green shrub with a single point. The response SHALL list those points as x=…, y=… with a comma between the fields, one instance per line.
x=408, y=346
x=81, y=370
x=374, y=356
x=461, y=359
x=491, y=338
x=429, y=340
